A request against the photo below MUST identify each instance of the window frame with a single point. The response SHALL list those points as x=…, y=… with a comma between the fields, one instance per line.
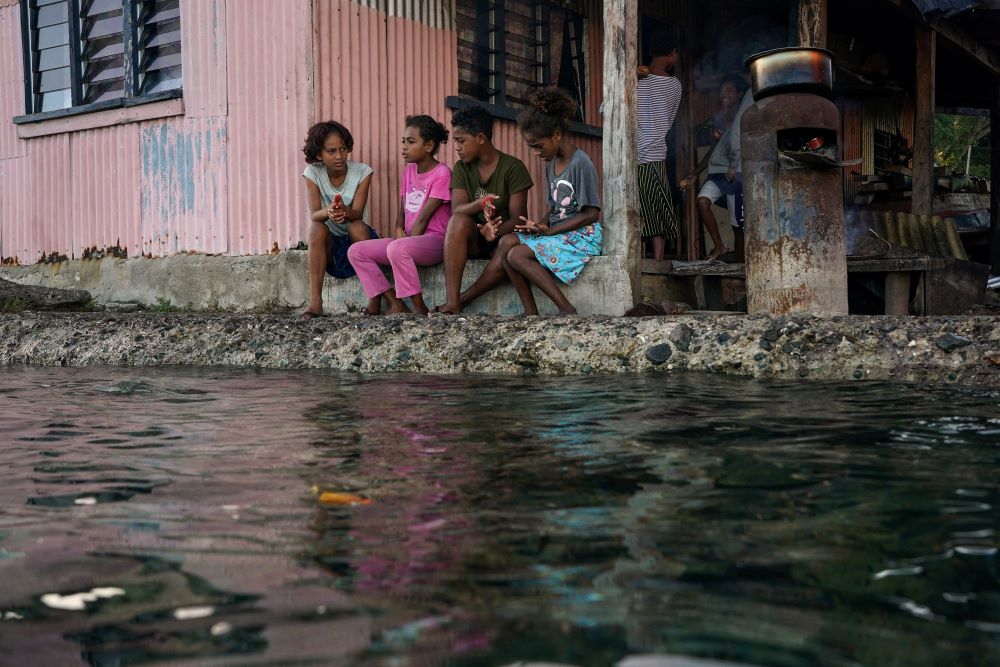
x=489, y=66
x=132, y=76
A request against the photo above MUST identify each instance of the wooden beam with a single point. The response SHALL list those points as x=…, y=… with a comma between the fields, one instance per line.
x=622, y=224
x=995, y=181
x=813, y=17
x=983, y=54
x=923, y=131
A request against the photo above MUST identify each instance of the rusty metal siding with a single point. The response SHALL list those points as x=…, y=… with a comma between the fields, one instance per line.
x=398, y=66
x=270, y=89
x=852, y=144
x=105, y=189
x=204, y=57
x=183, y=187
x=35, y=201
x=393, y=67
x=438, y=14
x=11, y=81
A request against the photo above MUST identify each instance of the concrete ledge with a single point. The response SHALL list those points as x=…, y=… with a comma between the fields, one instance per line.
x=268, y=282
x=963, y=350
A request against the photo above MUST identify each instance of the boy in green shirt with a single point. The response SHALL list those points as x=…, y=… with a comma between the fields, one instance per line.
x=482, y=175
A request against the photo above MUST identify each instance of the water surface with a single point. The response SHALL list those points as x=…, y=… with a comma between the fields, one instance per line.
x=175, y=515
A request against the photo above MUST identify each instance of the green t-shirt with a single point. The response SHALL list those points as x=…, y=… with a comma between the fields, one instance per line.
x=509, y=177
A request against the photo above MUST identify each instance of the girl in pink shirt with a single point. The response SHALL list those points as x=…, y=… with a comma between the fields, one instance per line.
x=418, y=239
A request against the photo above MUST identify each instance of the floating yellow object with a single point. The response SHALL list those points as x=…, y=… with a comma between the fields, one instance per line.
x=331, y=498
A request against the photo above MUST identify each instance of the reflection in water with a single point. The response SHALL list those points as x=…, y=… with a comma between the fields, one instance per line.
x=175, y=515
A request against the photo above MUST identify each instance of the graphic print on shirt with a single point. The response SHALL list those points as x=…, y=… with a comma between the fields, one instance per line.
x=564, y=196
x=415, y=199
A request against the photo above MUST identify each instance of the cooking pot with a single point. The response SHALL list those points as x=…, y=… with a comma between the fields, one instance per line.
x=792, y=70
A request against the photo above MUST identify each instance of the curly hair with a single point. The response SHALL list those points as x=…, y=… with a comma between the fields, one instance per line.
x=430, y=130
x=550, y=108
x=474, y=120
x=317, y=135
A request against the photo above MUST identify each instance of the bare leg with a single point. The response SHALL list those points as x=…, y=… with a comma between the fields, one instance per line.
x=493, y=274
x=712, y=225
x=520, y=283
x=659, y=247
x=418, y=303
x=456, y=253
x=396, y=305
x=319, y=238
x=523, y=260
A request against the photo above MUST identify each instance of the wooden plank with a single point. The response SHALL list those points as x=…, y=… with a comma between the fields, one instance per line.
x=887, y=265
x=622, y=226
x=813, y=17
x=995, y=182
x=923, y=135
x=897, y=293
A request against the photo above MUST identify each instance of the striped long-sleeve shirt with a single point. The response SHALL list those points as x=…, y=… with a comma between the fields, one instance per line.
x=659, y=97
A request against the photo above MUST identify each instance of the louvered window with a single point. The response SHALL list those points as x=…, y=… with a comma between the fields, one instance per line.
x=506, y=49
x=95, y=54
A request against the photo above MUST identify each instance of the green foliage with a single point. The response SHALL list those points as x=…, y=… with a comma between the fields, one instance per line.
x=953, y=137
x=13, y=306
x=163, y=306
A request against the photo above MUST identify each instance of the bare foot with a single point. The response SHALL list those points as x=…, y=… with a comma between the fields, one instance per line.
x=448, y=309
x=312, y=311
x=716, y=254
x=400, y=309
x=374, y=306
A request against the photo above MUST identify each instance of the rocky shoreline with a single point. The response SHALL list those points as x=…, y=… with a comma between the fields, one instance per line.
x=958, y=350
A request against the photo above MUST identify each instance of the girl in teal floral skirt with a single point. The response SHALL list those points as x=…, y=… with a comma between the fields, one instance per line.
x=560, y=246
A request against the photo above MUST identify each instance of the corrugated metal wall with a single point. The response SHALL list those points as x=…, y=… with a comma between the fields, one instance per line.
x=226, y=176
x=400, y=65
x=270, y=84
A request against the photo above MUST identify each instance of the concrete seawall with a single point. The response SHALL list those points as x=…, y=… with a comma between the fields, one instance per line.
x=960, y=350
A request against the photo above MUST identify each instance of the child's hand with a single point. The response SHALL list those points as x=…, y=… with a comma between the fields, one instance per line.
x=642, y=71
x=337, y=211
x=491, y=230
x=488, y=203
x=532, y=227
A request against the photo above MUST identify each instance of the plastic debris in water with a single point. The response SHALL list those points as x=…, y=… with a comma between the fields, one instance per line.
x=333, y=498
x=221, y=628
x=78, y=601
x=86, y=500
x=188, y=613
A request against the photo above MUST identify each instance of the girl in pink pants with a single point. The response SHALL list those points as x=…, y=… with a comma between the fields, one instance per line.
x=418, y=239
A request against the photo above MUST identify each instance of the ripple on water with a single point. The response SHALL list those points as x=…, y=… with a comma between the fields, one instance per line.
x=563, y=520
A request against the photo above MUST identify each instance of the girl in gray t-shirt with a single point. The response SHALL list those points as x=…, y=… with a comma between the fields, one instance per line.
x=560, y=247
x=337, y=191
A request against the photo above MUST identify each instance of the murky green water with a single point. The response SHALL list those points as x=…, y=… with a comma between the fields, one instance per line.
x=173, y=515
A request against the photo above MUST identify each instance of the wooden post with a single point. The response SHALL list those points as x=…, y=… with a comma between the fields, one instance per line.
x=622, y=224
x=923, y=131
x=812, y=22
x=995, y=180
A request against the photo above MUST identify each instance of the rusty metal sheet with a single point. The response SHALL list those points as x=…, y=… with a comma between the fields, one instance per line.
x=204, y=57
x=11, y=81
x=796, y=256
x=184, y=178
x=270, y=90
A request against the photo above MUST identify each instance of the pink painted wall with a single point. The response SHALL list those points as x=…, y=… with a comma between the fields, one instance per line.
x=225, y=177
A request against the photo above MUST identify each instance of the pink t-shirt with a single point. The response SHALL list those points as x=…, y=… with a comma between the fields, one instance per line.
x=417, y=188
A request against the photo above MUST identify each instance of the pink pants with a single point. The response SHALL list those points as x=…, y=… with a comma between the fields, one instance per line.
x=404, y=255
